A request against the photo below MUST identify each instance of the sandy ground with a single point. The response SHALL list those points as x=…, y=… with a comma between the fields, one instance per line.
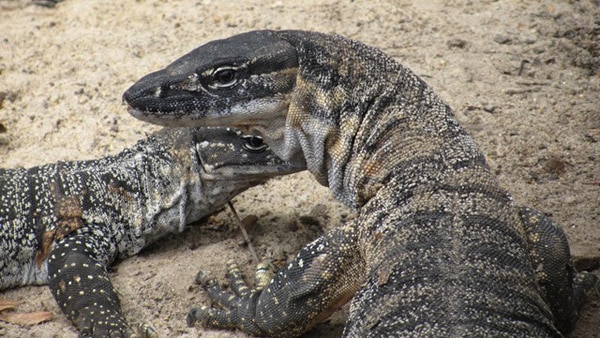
x=522, y=76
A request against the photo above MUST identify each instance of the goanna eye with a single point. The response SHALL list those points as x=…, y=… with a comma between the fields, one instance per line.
x=224, y=77
x=254, y=143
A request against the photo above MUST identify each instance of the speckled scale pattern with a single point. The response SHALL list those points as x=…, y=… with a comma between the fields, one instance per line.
x=443, y=249
x=29, y=208
x=64, y=223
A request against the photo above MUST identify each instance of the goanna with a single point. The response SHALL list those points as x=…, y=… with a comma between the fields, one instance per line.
x=64, y=223
x=438, y=248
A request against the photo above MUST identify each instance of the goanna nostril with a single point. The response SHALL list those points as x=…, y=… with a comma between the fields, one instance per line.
x=157, y=91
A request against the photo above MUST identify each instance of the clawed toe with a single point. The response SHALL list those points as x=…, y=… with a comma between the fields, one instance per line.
x=236, y=304
x=200, y=315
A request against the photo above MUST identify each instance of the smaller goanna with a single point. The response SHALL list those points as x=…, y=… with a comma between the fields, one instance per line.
x=64, y=223
x=438, y=248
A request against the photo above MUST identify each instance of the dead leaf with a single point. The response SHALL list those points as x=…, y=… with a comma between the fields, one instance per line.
x=26, y=318
x=7, y=304
x=21, y=318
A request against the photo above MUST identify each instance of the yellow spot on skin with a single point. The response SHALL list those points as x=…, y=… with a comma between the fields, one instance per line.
x=534, y=237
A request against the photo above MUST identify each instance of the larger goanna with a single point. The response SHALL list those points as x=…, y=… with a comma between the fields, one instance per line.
x=62, y=224
x=438, y=248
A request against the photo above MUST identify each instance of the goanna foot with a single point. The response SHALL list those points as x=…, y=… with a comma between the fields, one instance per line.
x=238, y=306
x=145, y=331
x=114, y=327
x=584, y=282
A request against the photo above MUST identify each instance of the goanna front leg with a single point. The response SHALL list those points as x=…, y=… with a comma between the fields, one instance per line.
x=324, y=276
x=563, y=288
x=81, y=286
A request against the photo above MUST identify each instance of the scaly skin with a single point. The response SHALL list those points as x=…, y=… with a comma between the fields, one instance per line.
x=64, y=223
x=438, y=248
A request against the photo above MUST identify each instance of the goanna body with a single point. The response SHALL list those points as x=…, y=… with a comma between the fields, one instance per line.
x=122, y=203
x=64, y=223
x=437, y=249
